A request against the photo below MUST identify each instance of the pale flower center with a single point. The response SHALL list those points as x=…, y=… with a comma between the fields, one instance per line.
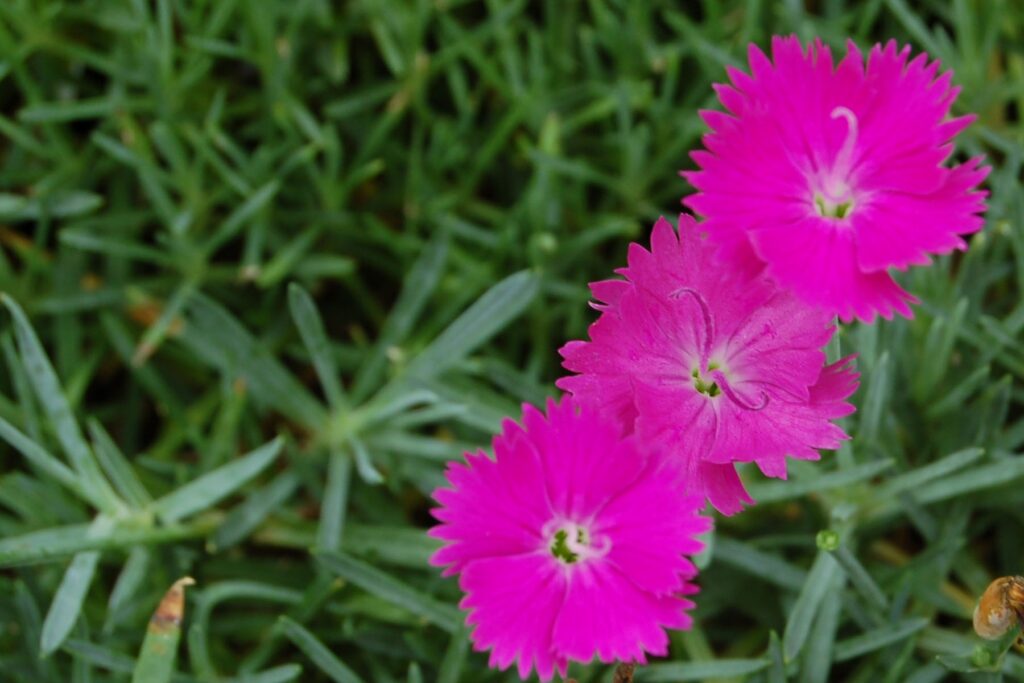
x=709, y=376
x=570, y=543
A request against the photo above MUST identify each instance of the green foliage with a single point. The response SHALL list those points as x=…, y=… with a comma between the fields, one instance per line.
x=266, y=265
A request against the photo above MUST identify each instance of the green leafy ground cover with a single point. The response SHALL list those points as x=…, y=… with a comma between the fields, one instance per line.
x=268, y=264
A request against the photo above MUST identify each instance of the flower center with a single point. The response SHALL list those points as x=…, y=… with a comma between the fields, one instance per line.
x=571, y=543
x=718, y=382
x=828, y=208
x=832, y=194
x=705, y=386
x=560, y=546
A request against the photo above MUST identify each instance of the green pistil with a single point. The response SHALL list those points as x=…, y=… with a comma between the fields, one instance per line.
x=827, y=209
x=560, y=547
x=709, y=389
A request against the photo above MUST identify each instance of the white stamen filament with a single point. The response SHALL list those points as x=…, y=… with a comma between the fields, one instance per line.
x=845, y=156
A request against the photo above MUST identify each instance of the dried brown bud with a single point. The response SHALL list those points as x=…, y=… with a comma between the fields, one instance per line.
x=1000, y=608
x=169, y=612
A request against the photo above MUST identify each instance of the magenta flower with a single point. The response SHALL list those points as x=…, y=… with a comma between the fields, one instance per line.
x=828, y=176
x=712, y=366
x=570, y=543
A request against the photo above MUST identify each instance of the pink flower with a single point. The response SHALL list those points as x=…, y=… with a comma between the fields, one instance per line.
x=712, y=366
x=829, y=176
x=568, y=544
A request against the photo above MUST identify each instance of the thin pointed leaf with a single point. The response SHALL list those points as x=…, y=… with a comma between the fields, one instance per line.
x=317, y=652
x=241, y=521
x=160, y=647
x=680, y=672
x=212, y=487
x=311, y=328
x=51, y=397
x=117, y=467
x=498, y=306
x=391, y=589
x=40, y=458
x=67, y=602
x=417, y=287
x=332, y=512
x=807, y=604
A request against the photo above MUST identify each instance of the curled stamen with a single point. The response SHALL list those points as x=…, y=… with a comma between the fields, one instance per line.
x=845, y=156
x=709, y=322
x=579, y=543
x=727, y=389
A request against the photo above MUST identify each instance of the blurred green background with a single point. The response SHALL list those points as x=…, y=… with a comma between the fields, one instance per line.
x=269, y=264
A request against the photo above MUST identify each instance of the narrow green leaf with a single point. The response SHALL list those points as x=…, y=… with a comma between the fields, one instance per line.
x=400, y=546
x=455, y=657
x=873, y=409
x=132, y=575
x=392, y=590
x=311, y=328
x=808, y=602
x=212, y=487
x=777, y=672
x=117, y=467
x=61, y=204
x=1000, y=473
x=335, y=503
x=364, y=464
x=771, y=568
x=170, y=315
x=501, y=304
x=160, y=646
x=877, y=639
x=40, y=458
x=317, y=652
x=22, y=390
x=216, y=336
x=860, y=578
x=67, y=602
x=786, y=490
x=91, y=240
x=99, y=656
x=958, y=395
x=238, y=218
x=678, y=672
x=286, y=260
x=51, y=397
x=278, y=674
x=241, y=521
x=418, y=285
x=916, y=27
x=59, y=542
x=908, y=481
x=817, y=660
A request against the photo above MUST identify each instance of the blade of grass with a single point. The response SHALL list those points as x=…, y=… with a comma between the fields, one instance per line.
x=160, y=646
x=51, y=397
x=391, y=589
x=808, y=603
x=335, y=503
x=67, y=602
x=311, y=328
x=212, y=487
x=317, y=652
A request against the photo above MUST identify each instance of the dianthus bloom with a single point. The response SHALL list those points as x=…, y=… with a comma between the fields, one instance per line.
x=827, y=176
x=570, y=543
x=711, y=365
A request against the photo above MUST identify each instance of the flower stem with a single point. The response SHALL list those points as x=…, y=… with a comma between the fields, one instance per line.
x=624, y=673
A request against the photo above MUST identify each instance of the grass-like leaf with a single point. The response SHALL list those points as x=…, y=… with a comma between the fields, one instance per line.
x=214, y=486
